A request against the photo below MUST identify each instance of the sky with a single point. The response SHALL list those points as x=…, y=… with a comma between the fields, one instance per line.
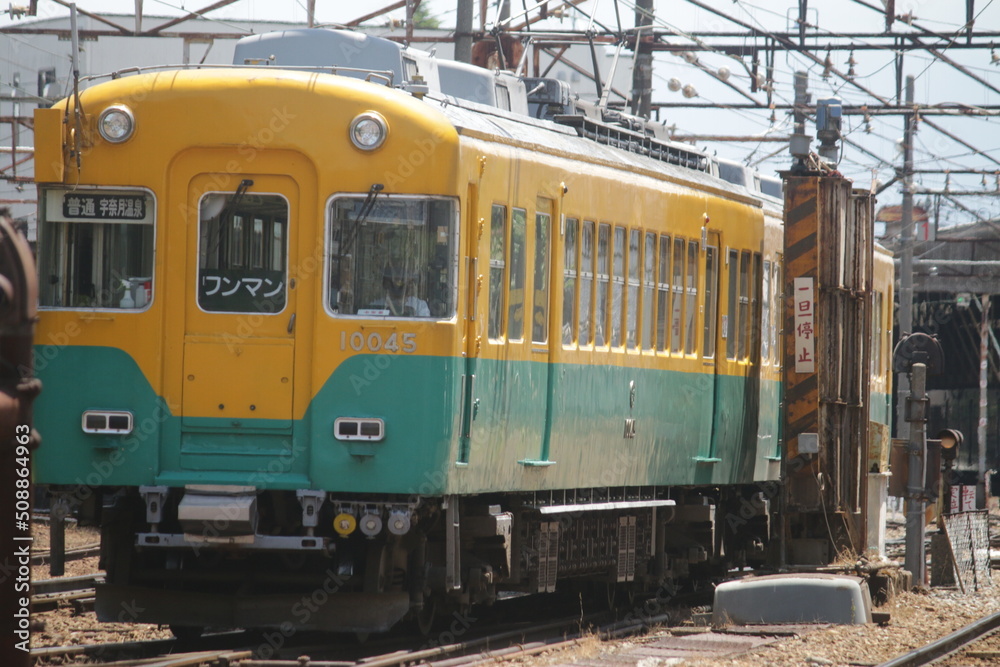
x=879, y=136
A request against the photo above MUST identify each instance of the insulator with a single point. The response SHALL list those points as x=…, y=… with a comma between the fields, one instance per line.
x=689, y=91
x=724, y=73
x=674, y=84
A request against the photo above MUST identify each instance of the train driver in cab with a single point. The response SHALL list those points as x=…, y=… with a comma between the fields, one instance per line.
x=400, y=297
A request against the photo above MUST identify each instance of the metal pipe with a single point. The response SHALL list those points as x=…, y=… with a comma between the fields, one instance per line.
x=984, y=363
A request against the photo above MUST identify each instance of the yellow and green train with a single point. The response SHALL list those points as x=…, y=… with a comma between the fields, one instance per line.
x=369, y=327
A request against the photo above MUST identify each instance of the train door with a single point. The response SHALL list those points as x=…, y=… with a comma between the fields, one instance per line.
x=540, y=369
x=710, y=344
x=473, y=329
x=239, y=320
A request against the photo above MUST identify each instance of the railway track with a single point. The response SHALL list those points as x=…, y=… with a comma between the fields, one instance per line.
x=207, y=650
x=86, y=551
x=513, y=644
x=948, y=645
x=523, y=641
x=49, y=594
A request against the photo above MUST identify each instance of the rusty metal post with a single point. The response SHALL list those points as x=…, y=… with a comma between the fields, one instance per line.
x=18, y=388
x=58, y=511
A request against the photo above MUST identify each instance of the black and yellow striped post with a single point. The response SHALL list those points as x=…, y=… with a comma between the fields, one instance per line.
x=827, y=356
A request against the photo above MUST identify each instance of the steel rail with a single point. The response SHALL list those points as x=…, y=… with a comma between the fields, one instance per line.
x=86, y=551
x=66, y=584
x=223, y=657
x=523, y=649
x=159, y=645
x=404, y=656
x=948, y=644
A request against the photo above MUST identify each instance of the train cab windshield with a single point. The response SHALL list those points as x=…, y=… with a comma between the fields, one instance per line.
x=394, y=257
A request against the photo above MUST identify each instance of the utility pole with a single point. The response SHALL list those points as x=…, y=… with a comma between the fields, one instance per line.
x=916, y=558
x=463, y=31
x=642, y=68
x=905, y=323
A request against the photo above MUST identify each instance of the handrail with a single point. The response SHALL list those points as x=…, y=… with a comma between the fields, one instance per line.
x=385, y=75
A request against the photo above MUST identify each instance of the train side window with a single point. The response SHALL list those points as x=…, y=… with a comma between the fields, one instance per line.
x=395, y=256
x=732, y=318
x=663, y=297
x=632, y=325
x=603, y=283
x=690, y=311
x=518, y=251
x=503, y=97
x=94, y=248
x=618, y=288
x=498, y=264
x=516, y=274
x=744, y=318
x=226, y=253
x=648, y=289
x=711, y=301
x=257, y=243
x=765, y=317
x=586, y=282
x=540, y=298
x=570, y=279
x=677, y=305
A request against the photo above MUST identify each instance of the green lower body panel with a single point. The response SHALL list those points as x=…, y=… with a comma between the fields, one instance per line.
x=529, y=426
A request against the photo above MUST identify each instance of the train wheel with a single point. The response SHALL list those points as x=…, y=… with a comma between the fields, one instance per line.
x=425, y=617
x=628, y=594
x=607, y=593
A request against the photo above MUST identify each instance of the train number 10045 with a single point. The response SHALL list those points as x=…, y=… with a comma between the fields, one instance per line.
x=375, y=342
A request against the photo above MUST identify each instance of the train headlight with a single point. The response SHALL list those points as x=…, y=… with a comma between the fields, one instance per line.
x=116, y=123
x=369, y=130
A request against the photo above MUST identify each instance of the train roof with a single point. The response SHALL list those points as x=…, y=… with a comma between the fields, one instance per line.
x=540, y=110
x=359, y=55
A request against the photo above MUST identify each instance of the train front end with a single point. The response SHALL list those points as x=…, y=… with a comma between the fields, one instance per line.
x=250, y=342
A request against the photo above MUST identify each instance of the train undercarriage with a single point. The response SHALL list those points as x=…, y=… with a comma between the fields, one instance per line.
x=214, y=556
